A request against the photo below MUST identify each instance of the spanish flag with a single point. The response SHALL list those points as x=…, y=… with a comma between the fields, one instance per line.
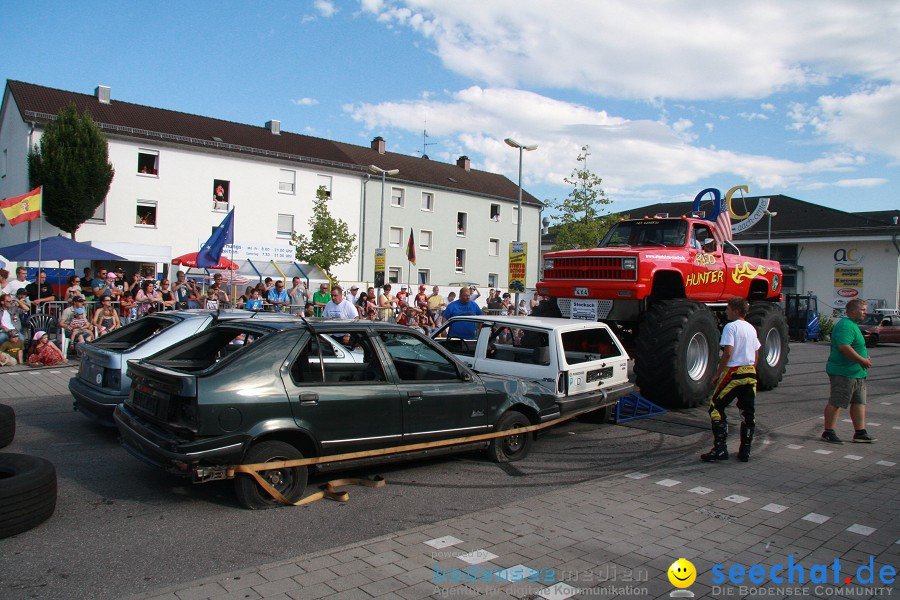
x=22, y=208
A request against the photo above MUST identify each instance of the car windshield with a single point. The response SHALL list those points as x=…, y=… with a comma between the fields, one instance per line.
x=647, y=232
x=135, y=333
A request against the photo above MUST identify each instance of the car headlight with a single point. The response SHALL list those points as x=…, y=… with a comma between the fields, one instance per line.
x=629, y=264
x=548, y=263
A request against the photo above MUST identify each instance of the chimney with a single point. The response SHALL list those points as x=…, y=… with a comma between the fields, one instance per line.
x=463, y=162
x=274, y=126
x=378, y=144
x=102, y=93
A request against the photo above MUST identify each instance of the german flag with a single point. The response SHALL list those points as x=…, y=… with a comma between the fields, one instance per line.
x=411, y=248
x=20, y=209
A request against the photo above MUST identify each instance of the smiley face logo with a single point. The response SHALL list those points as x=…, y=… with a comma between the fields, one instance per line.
x=682, y=573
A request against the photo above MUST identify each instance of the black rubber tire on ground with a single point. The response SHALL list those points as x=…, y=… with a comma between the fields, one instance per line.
x=7, y=425
x=27, y=492
x=512, y=447
x=772, y=329
x=677, y=349
x=290, y=482
x=871, y=342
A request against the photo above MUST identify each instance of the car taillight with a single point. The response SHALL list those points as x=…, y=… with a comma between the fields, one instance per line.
x=562, y=382
x=112, y=378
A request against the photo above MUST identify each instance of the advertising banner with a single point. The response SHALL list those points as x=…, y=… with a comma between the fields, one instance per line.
x=379, y=267
x=518, y=263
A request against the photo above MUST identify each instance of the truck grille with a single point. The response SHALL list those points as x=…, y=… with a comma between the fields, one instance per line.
x=589, y=267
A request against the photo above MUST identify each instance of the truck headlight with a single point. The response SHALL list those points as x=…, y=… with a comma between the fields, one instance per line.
x=548, y=263
x=629, y=264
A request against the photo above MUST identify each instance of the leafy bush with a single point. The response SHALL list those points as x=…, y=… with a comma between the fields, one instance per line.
x=826, y=324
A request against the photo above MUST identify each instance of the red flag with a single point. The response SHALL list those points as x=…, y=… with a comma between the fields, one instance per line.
x=20, y=209
x=411, y=248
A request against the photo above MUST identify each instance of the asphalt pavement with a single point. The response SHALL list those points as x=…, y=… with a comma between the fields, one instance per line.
x=801, y=519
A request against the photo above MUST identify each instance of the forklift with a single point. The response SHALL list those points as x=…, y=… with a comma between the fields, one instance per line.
x=802, y=312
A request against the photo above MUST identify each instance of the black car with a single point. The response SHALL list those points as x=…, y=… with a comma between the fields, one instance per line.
x=251, y=391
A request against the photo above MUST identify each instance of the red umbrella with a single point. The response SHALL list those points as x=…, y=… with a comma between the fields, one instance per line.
x=190, y=260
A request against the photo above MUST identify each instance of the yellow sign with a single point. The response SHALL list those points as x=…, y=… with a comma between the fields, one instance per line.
x=518, y=263
x=379, y=267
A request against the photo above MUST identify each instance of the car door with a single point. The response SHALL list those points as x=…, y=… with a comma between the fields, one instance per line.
x=891, y=329
x=347, y=406
x=706, y=270
x=440, y=399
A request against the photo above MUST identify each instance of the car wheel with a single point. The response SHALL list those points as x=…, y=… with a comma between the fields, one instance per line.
x=772, y=329
x=7, y=425
x=290, y=482
x=512, y=447
x=871, y=342
x=27, y=492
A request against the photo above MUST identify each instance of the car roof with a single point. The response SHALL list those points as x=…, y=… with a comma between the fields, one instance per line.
x=540, y=322
x=284, y=321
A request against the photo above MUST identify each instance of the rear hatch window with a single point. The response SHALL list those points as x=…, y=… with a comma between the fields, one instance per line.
x=586, y=345
x=135, y=333
x=208, y=348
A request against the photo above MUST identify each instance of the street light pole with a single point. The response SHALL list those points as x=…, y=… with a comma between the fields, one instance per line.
x=384, y=173
x=514, y=144
x=769, y=241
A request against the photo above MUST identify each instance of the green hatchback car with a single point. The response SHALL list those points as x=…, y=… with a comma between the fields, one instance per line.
x=252, y=391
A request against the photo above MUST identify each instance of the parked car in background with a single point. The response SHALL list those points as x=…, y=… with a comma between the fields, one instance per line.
x=582, y=363
x=879, y=328
x=102, y=380
x=205, y=405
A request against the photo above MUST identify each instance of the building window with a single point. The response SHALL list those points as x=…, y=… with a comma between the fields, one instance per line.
x=515, y=215
x=492, y=280
x=495, y=212
x=460, y=260
x=424, y=239
x=395, y=274
x=395, y=236
x=99, y=215
x=287, y=181
x=397, y=197
x=427, y=201
x=493, y=247
x=221, y=194
x=146, y=213
x=424, y=276
x=148, y=162
x=324, y=181
x=461, y=224
x=285, y=226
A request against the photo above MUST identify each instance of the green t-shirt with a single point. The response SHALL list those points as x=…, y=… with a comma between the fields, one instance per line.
x=323, y=297
x=846, y=333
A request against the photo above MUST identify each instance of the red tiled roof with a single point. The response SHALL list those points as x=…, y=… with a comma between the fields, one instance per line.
x=40, y=104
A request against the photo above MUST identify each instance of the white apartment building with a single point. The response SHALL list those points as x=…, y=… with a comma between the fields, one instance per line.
x=177, y=175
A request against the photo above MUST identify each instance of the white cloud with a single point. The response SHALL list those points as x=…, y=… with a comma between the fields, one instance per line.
x=868, y=120
x=862, y=182
x=694, y=49
x=627, y=154
x=751, y=116
x=304, y=101
x=767, y=106
x=326, y=8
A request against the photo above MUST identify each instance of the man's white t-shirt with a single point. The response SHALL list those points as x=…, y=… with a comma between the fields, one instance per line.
x=344, y=310
x=14, y=286
x=741, y=336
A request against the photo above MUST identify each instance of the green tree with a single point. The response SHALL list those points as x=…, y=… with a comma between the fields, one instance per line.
x=72, y=163
x=580, y=223
x=330, y=242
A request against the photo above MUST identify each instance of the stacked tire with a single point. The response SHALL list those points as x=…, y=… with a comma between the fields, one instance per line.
x=27, y=484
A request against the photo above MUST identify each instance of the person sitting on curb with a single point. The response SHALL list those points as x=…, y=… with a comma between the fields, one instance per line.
x=43, y=352
x=12, y=351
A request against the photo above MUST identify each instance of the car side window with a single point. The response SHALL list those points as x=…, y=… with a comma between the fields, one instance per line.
x=360, y=365
x=517, y=344
x=416, y=360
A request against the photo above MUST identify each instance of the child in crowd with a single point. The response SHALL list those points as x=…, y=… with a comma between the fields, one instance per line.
x=44, y=353
x=12, y=350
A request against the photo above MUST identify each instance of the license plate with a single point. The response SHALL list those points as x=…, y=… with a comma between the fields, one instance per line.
x=145, y=402
x=581, y=291
x=599, y=374
x=91, y=373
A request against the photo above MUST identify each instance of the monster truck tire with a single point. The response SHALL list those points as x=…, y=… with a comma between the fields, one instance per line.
x=27, y=492
x=677, y=353
x=772, y=329
x=7, y=425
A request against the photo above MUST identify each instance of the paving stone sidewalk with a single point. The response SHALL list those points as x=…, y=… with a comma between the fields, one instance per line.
x=798, y=501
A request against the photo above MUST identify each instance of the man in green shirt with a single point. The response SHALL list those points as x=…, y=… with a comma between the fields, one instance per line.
x=321, y=298
x=846, y=368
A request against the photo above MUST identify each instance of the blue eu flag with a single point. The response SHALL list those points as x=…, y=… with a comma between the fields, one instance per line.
x=211, y=252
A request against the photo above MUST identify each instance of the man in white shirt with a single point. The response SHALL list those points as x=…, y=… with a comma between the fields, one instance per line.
x=339, y=307
x=353, y=296
x=735, y=379
x=19, y=282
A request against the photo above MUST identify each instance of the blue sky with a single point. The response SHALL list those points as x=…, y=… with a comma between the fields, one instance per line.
x=672, y=97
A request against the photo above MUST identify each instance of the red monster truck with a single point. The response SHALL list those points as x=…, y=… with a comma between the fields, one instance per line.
x=662, y=284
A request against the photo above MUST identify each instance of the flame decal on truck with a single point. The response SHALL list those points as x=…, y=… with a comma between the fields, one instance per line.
x=747, y=270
